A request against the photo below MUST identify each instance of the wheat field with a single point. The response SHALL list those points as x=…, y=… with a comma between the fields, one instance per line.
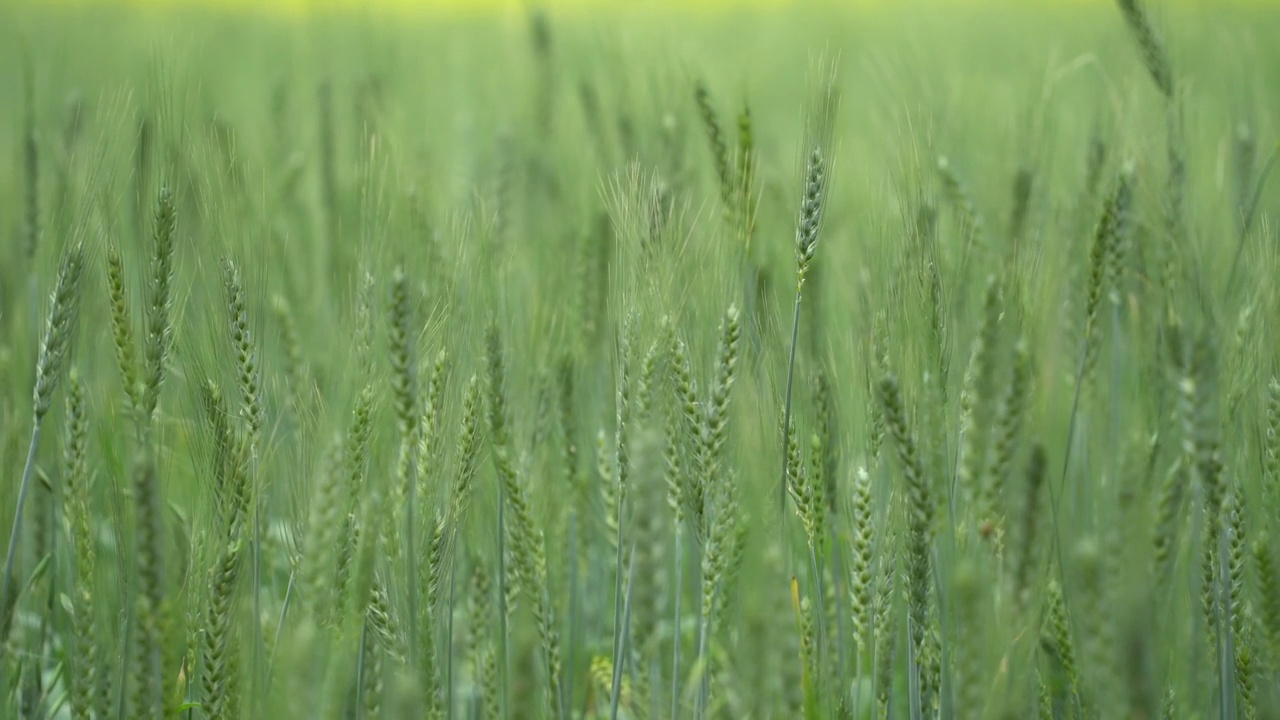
x=893, y=361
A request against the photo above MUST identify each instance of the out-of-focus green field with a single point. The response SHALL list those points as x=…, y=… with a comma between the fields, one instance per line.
x=360, y=365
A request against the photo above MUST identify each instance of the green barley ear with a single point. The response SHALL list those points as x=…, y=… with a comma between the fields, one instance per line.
x=1271, y=446
x=1026, y=556
x=890, y=397
x=30, y=171
x=816, y=512
x=623, y=410
x=652, y=552
x=745, y=206
x=431, y=435
x=1169, y=707
x=619, y=480
x=1175, y=201
x=370, y=691
x=800, y=486
x=447, y=529
x=649, y=379
x=885, y=620
x=808, y=649
x=1097, y=596
x=1149, y=43
x=404, y=393
x=384, y=623
x=717, y=417
x=1023, y=182
x=976, y=400
x=938, y=330
x=149, y=697
x=1268, y=593
x=566, y=409
x=355, y=456
x=969, y=664
x=364, y=330
x=817, y=153
x=861, y=582
x=1056, y=641
x=690, y=423
x=1182, y=474
x=1246, y=154
x=1202, y=456
x=1008, y=429
x=812, y=211
x=84, y=658
x=122, y=326
x=328, y=513
x=1044, y=698
x=1246, y=669
x=717, y=552
x=497, y=388
x=1095, y=162
x=248, y=374
x=528, y=546
x=295, y=371
x=719, y=150
x=1112, y=231
x=1239, y=613
x=159, y=335
x=1233, y=511
x=468, y=451
x=877, y=431
x=716, y=490
x=484, y=665
x=59, y=334
x=220, y=645
x=403, y=382
x=827, y=453
x=972, y=226
x=609, y=490
x=674, y=474
x=920, y=511
x=249, y=381
x=144, y=150
x=229, y=471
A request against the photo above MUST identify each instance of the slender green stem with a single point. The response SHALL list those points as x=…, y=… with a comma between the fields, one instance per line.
x=618, y=638
x=410, y=554
x=258, y=679
x=620, y=653
x=819, y=585
x=571, y=652
x=448, y=690
x=677, y=636
x=23, y=487
x=1250, y=212
x=704, y=668
x=786, y=411
x=503, y=660
x=284, y=613
x=122, y=681
x=360, y=669
x=837, y=576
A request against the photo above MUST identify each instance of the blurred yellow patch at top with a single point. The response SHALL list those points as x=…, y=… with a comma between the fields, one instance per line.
x=303, y=7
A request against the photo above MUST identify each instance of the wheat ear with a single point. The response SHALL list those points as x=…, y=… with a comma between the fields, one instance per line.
x=58, y=338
